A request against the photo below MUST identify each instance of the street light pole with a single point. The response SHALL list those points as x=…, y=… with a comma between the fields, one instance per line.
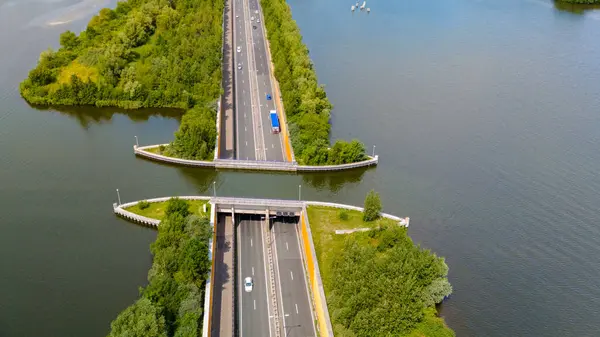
x=136, y=142
x=119, y=197
x=373, y=150
x=299, y=192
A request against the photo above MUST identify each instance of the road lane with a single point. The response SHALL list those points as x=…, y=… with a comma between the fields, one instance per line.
x=297, y=310
x=273, y=142
x=253, y=306
x=255, y=139
x=246, y=149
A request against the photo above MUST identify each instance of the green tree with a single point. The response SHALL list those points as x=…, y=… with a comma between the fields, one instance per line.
x=372, y=206
x=178, y=206
x=142, y=319
x=69, y=40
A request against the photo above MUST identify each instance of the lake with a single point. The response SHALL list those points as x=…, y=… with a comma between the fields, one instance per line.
x=485, y=115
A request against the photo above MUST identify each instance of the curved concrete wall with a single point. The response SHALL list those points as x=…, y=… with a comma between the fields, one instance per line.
x=250, y=165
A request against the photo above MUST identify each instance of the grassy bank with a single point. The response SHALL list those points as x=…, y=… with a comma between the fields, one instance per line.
x=156, y=210
x=172, y=302
x=377, y=283
x=305, y=102
x=144, y=53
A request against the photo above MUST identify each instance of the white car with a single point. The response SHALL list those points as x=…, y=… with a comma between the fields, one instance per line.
x=239, y=66
x=256, y=11
x=239, y=49
x=248, y=284
x=257, y=20
x=237, y=16
x=251, y=18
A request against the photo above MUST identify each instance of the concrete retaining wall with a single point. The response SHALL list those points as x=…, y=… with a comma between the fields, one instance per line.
x=219, y=112
x=208, y=295
x=250, y=165
x=314, y=278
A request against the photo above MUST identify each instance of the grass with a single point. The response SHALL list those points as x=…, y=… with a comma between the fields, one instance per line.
x=323, y=223
x=82, y=71
x=157, y=209
x=157, y=150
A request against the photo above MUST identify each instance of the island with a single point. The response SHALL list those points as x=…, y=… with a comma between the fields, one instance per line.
x=168, y=54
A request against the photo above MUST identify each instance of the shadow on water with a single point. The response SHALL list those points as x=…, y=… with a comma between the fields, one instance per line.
x=200, y=178
x=334, y=181
x=89, y=115
x=575, y=8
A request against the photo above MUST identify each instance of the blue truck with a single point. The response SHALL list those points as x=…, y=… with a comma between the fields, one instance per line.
x=274, y=121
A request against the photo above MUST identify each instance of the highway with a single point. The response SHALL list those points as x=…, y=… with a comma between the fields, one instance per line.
x=254, y=140
x=253, y=306
x=294, y=296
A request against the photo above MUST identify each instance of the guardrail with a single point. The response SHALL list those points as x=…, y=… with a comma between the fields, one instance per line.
x=250, y=164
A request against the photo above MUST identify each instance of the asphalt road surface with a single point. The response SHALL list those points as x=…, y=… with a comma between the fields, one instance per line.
x=253, y=306
x=255, y=140
x=297, y=312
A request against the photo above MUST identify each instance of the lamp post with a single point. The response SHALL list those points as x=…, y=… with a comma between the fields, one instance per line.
x=373, y=150
x=136, y=142
x=119, y=197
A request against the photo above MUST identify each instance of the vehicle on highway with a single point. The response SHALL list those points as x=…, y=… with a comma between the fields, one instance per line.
x=251, y=18
x=254, y=27
x=256, y=11
x=239, y=66
x=268, y=97
x=239, y=49
x=257, y=20
x=237, y=16
x=248, y=284
x=274, y=121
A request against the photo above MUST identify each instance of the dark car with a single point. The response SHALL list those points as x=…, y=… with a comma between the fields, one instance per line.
x=268, y=97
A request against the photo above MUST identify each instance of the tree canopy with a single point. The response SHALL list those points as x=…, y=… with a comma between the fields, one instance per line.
x=171, y=303
x=381, y=284
x=144, y=53
x=372, y=206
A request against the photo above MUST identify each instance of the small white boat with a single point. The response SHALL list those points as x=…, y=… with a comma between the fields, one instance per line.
x=352, y=8
x=368, y=10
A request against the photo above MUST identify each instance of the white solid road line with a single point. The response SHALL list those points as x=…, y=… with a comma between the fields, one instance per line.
x=292, y=274
x=286, y=246
x=254, y=304
x=252, y=271
x=250, y=238
x=296, y=308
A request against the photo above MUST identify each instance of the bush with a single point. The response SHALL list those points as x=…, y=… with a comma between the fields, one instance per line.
x=178, y=206
x=143, y=204
x=343, y=215
x=372, y=206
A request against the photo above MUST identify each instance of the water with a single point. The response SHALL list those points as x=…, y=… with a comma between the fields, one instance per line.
x=485, y=115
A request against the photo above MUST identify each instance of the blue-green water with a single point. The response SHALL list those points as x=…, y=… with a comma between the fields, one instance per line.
x=484, y=113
